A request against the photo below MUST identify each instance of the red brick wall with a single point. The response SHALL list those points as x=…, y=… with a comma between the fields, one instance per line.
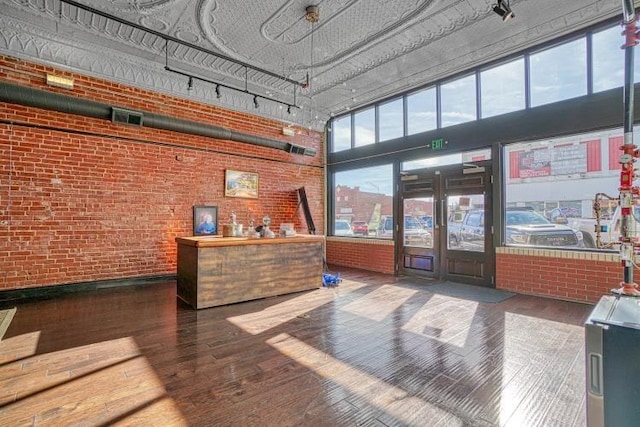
x=567, y=275
x=365, y=254
x=576, y=276
x=82, y=199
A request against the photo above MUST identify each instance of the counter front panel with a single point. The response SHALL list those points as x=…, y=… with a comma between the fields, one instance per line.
x=224, y=270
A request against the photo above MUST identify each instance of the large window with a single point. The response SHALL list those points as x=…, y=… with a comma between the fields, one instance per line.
x=559, y=73
x=551, y=185
x=361, y=198
x=341, y=132
x=364, y=123
x=391, y=120
x=556, y=73
x=422, y=111
x=608, y=60
x=449, y=159
x=502, y=88
x=458, y=101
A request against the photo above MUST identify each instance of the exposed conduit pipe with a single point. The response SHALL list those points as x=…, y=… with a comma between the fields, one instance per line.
x=38, y=98
x=627, y=159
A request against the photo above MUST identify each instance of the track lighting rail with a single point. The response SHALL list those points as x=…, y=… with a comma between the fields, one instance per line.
x=191, y=77
x=218, y=85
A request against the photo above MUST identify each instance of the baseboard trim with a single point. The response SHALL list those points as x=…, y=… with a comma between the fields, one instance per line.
x=47, y=292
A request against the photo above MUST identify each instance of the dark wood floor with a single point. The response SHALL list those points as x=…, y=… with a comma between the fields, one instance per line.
x=375, y=351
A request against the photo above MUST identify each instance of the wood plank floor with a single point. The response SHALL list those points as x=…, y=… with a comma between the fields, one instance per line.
x=375, y=351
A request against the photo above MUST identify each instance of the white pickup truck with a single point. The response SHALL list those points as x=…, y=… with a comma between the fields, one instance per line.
x=611, y=228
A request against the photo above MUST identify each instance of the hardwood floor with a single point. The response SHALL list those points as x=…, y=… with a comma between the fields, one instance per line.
x=375, y=351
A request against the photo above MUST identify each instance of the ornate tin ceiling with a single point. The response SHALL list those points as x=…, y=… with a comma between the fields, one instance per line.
x=359, y=51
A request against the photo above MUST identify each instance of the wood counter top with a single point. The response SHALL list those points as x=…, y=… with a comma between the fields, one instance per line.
x=219, y=241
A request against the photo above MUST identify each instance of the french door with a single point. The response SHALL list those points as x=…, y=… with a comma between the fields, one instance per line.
x=445, y=228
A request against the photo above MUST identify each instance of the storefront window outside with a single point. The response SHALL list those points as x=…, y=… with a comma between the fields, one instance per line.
x=458, y=100
x=391, y=120
x=502, y=88
x=449, y=159
x=550, y=187
x=341, y=133
x=608, y=60
x=362, y=199
x=559, y=73
x=422, y=111
x=364, y=123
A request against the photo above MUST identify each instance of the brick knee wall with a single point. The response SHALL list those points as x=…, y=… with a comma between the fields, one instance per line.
x=568, y=275
x=366, y=254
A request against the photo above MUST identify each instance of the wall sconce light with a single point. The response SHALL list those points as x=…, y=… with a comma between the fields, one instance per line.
x=255, y=101
x=503, y=9
x=218, y=94
x=190, y=86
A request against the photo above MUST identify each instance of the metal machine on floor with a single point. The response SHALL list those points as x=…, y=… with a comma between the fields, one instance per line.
x=612, y=331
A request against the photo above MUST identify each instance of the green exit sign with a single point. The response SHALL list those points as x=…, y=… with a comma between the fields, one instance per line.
x=438, y=144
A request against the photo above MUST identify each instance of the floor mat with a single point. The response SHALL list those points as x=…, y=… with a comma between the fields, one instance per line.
x=6, y=316
x=470, y=292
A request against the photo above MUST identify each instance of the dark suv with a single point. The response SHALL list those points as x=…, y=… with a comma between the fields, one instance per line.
x=523, y=226
x=526, y=226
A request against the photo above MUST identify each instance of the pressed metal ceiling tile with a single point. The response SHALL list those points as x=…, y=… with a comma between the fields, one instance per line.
x=363, y=50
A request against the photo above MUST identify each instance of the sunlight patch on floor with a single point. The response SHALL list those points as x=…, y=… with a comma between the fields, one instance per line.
x=394, y=401
x=19, y=347
x=379, y=304
x=524, y=363
x=452, y=327
x=94, y=384
x=278, y=314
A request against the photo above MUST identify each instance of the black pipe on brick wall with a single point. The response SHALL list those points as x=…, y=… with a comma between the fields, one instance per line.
x=38, y=98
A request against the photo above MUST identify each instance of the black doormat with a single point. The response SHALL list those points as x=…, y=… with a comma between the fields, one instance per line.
x=470, y=292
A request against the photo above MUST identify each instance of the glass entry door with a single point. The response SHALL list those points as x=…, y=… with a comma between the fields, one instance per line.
x=417, y=236
x=446, y=229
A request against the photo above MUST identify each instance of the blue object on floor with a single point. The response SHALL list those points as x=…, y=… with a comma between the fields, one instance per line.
x=331, y=279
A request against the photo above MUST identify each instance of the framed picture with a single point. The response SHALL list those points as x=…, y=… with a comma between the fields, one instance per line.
x=241, y=184
x=205, y=220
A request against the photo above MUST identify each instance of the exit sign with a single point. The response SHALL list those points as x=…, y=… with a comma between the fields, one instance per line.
x=438, y=144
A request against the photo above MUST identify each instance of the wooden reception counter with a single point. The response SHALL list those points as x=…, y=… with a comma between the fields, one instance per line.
x=215, y=270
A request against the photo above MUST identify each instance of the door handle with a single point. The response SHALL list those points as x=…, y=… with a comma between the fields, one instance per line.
x=595, y=374
x=442, y=213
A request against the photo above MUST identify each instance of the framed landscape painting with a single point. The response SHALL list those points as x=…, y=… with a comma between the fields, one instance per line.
x=241, y=184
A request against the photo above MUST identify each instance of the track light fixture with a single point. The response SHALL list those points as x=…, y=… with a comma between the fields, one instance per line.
x=503, y=9
x=219, y=86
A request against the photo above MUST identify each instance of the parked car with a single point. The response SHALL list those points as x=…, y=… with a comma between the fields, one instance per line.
x=360, y=227
x=523, y=226
x=526, y=226
x=414, y=233
x=342, y=228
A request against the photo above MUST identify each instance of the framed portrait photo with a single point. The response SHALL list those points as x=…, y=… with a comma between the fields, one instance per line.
x=241, y=184
x=205, y=220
